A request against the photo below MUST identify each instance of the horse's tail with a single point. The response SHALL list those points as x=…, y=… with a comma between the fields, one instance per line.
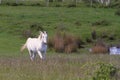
x=23, y=47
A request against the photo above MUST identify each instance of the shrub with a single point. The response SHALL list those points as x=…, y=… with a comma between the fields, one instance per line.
x=59, y=0
x=94, y=35
x=79, y=42
x=71, y=5
x=105, y=72
x=71, y=48
x=117, y=12
x=50, y=0
x=61, y=27
x=7, y=4
x=14, y=4
x=36, y=4
x=57, y=5
x=89, y=40
x=115, y=4
x=63, y=42
x=50, y=42
x=78, y=23
x=32, y=31
x=59, y=43
x=69, y=39
x=11, y=4
x=36, y=27
x=27, y=33
x=111, y=37
x=100, y=47
x=101, y=23
x=104, y=35
x=70, y=43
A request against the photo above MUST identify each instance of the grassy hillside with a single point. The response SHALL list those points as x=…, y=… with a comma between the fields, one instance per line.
x=77, y=21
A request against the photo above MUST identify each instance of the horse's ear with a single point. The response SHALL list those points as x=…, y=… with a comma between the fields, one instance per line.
x=45, y=32
x=41, y=32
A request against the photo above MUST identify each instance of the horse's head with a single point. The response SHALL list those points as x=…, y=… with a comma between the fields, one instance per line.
x=43, y=37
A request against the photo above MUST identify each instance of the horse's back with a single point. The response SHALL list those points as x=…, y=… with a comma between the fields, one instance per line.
x=32, y=43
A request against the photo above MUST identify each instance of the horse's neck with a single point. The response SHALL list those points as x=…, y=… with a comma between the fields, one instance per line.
x=40, y=39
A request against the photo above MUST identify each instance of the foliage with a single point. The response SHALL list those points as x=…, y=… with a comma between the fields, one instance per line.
x=105, y=72
x=115, y=4
x=101, y=23
x=60, y=3
x=117, y=12
x=33, y=30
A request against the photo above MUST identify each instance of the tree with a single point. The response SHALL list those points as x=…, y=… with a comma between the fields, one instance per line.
x=47, y=3
x=91, y=2
x=17, y=1
x=0, y=1
x=107, y=2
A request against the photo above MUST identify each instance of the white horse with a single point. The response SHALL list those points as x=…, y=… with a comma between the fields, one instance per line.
x=36, y=45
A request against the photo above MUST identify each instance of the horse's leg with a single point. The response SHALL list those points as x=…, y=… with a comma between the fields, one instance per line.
x=31, y=54
x=40, y=54
x=44, y=55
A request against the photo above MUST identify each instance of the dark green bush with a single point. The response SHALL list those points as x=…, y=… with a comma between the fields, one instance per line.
x=78, y=23
x=14, y=4
x=36, y=27
x=101, y=23
x=71, y=5
x=117, y=12
x=105, y=72
x=115, y=4
x=57, y=5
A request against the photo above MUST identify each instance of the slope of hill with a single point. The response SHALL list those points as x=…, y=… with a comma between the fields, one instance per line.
x=78, y=21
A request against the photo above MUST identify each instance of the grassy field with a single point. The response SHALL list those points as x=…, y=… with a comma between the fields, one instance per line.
x=16, y=66
x=14, y=20
x=18, y=18
x=55, y=67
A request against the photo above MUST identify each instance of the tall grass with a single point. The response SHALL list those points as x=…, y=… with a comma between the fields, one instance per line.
x=65, y=67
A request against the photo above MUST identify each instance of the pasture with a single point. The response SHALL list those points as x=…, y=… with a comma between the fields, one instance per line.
x=57, y=66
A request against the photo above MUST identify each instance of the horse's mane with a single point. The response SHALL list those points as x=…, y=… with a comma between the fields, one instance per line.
x=40, y=36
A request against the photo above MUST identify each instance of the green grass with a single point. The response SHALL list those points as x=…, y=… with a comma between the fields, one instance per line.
x=50, y=17
x=14, y=20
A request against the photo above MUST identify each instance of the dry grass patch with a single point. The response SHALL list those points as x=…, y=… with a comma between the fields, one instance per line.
x=55, y=67
x=64, y=42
